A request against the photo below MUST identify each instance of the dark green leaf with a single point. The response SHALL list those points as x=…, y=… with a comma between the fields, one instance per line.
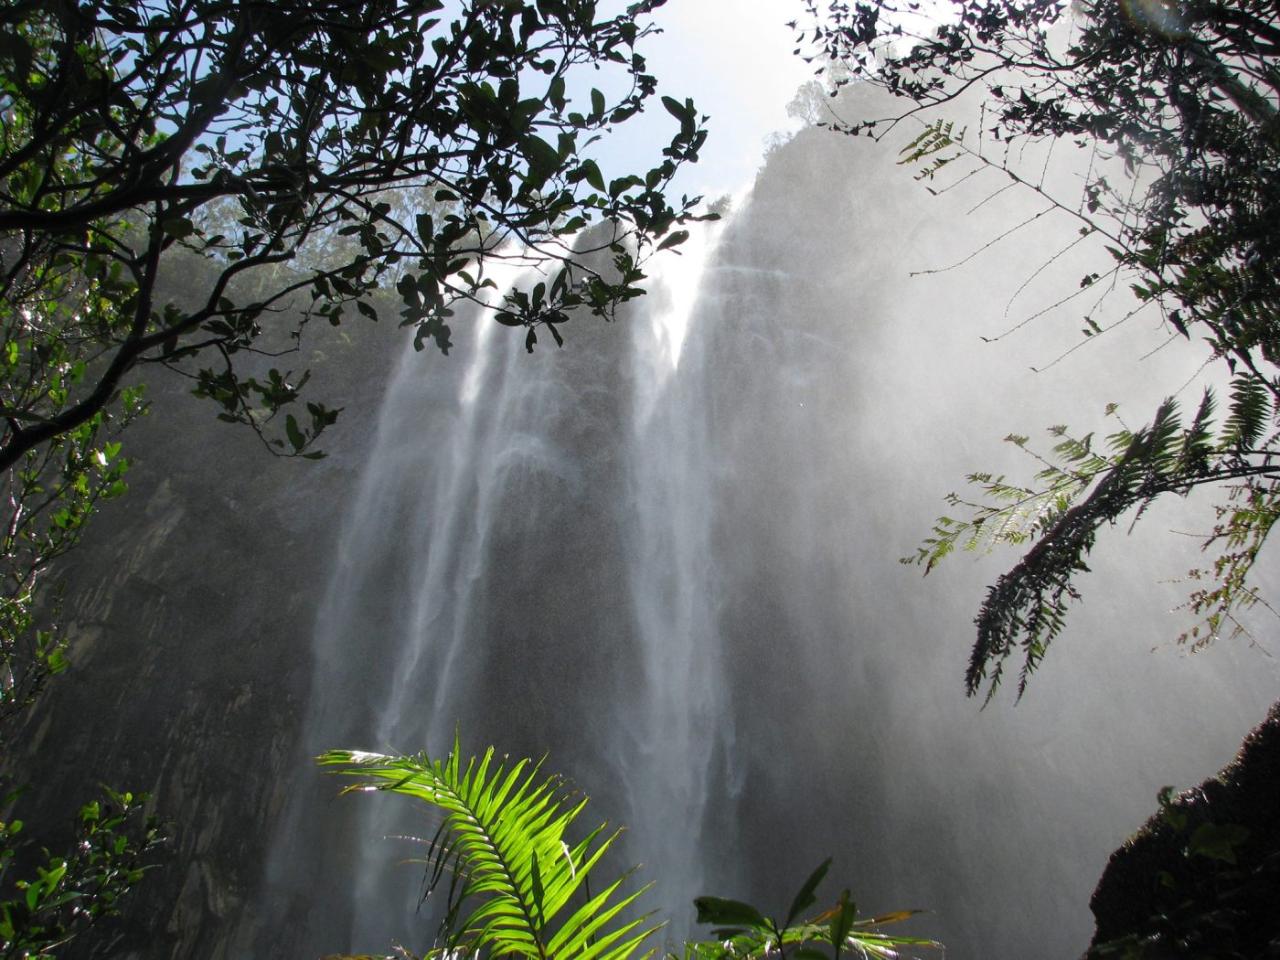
x=178, y=227
x=842, y=920
x=591, y=172
x=674, y=239
x=295, y=435
x=729, y=913
x=676, y=109
x=1217, y=841
x=426, y=229
x=544, y=159
x=805, y=898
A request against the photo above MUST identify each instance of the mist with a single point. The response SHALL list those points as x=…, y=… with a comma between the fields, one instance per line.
x=666, y=556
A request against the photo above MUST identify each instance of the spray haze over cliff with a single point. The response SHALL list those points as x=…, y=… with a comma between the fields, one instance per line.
x=665, y=555
x=673, y=571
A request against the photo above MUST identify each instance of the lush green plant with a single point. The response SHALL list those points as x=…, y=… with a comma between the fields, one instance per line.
x=743, y=931
x=51, y=494
x=1209, y=885
x=520, y=886
x=1176, y=102
x=58, y=896
x=48, y=302
x=503, y=842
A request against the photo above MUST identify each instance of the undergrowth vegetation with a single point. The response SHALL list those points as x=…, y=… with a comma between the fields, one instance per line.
x=519, y=885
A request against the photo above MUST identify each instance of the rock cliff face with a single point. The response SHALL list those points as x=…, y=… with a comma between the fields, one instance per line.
x=190, y=607
x=1202, y=876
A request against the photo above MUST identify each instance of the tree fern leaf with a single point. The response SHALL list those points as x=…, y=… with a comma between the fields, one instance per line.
x=1248, y=414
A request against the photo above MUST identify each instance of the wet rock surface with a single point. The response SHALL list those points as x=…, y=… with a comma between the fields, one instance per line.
x=189, y=608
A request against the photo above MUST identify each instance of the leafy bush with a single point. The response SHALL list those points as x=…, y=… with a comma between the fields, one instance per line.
x=60, y=895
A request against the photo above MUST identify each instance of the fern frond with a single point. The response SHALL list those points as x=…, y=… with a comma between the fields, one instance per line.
x=504, y=836
x=935, y=138
x=1197, y=445
x=1248, y=415
x=1245, y=522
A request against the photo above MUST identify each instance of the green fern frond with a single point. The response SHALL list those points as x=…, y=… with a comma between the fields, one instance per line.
x=504, y=836
x=1197, y=441
x=1080, y=488
x=935, y=138
x=1248, y=415
x=1245, y=522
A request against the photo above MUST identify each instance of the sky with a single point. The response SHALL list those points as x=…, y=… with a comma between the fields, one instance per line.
x=734, y=58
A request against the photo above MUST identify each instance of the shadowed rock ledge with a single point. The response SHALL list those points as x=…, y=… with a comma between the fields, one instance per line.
x=1202, y=876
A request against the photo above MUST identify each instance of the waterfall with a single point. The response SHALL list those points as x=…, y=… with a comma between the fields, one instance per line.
x=497, y=478
x=665, y=556
x=669, y=738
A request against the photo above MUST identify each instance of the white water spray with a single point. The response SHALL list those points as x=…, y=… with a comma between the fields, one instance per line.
x=664, y=555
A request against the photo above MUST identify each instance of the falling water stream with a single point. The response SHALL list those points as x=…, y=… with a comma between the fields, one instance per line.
x=665, y=555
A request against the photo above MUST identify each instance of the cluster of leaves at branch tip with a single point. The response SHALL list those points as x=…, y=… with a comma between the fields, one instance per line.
x=935, y=145
x=116, y=841
x=519, y=886
x=1183, y=98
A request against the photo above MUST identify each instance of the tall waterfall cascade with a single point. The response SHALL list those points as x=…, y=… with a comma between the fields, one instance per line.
x=665, y=556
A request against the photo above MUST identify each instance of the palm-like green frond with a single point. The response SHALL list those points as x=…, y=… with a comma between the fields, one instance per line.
x=504, y=840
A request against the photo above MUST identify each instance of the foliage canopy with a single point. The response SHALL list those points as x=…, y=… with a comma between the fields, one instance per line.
x=1175, y=102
